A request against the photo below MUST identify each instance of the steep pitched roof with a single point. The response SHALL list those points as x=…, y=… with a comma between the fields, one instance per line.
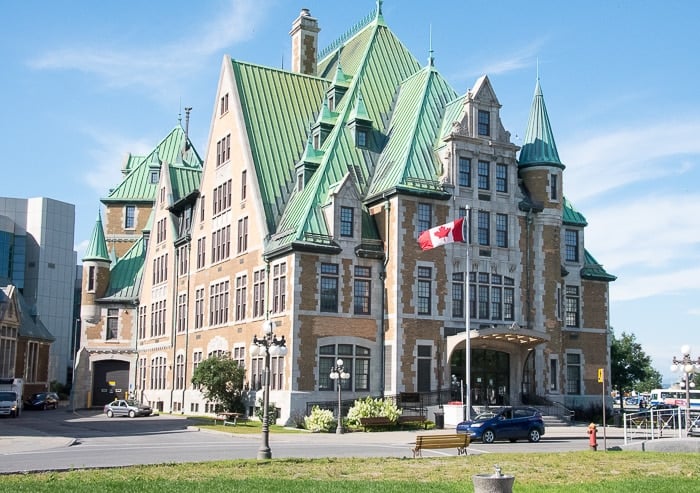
x=184, y=164
x=594, y=271
x=97, y=247
x=539, y=147
x=375, y=62
x=571, y=216
x=126, y=275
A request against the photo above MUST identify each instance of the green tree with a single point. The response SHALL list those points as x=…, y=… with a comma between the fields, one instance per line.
x=630, y=366
x=221, y=381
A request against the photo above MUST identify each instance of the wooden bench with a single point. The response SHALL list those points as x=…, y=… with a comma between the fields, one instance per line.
x=457, y=440
x=375, y=421
x=230, y=418
x=413, y=418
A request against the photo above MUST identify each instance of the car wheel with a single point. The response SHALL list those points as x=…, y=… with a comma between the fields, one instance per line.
x=132, y=414
x=110, y=413
x=488, y=436
x=533, y=435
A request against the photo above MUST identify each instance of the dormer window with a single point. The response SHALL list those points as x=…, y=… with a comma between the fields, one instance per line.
x=361, y=137
x=331, y=101
x=484, y=123
x=347, y=221
x=155, y=176
x=317, y=140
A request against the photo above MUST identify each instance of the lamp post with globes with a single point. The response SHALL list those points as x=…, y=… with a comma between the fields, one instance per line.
x=338, y=374
x=267, y=346
x=688, y=366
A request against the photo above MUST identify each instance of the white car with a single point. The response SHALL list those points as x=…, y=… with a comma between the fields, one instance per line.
x=122, y=407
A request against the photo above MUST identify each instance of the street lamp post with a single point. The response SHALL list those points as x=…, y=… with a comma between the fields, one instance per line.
x=268, y=346
x=688, y=366
x=339, y=374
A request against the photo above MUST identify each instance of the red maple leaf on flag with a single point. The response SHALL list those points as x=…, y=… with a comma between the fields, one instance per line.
x=443, y=232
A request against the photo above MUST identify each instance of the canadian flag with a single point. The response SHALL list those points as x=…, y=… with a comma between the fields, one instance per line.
x=443, y=234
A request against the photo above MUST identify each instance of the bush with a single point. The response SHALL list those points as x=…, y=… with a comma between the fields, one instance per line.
x=319, y=420
x=371, y=408
x=271, y=412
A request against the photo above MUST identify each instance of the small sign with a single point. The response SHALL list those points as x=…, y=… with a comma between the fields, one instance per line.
x=601, y=375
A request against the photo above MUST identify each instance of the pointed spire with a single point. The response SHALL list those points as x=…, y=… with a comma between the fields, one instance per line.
x=359, y=111
x=97, y=247
x=340, y=78
x=431, y=57
x=539, y=147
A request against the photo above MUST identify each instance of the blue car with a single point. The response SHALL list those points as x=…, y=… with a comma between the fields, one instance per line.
x=505, y=423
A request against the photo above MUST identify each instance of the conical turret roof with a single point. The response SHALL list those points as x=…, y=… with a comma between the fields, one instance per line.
x=539, y=147
x=97, y=248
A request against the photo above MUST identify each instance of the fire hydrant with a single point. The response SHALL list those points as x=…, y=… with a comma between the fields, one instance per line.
x=592, y=438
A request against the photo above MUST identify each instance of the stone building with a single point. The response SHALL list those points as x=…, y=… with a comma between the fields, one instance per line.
x=316, y=185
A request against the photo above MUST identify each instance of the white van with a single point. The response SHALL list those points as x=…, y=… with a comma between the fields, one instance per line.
x=11, y=396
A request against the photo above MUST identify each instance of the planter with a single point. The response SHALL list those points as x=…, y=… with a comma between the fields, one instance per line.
x=493, y=483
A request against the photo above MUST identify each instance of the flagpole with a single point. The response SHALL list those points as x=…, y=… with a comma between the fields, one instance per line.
x=466, y=412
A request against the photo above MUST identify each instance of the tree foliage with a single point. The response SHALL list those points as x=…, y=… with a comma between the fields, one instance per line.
x=221, y=381
x=630, y=366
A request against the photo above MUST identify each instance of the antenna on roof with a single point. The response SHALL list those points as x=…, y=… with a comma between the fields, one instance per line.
x=431, y=58
x=187, y=127
x=179, y=113
x=538, y=68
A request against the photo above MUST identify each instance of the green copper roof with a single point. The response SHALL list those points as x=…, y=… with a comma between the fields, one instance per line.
x=125, y=277
x=97, y=247
x=571, y=216
x=185, y=167
x=539, y=147
x=359, y=110
x=408, y=160
x=277, y=107
x=592, y=270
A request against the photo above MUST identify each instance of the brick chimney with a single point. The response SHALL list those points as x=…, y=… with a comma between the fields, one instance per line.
x=304, y=35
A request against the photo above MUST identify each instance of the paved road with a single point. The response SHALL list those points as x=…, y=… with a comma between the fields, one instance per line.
x=43, y=440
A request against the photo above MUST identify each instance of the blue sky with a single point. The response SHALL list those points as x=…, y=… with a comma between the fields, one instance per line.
x=83, y=83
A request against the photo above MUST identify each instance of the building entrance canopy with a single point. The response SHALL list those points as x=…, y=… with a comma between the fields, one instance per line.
x=512, y=334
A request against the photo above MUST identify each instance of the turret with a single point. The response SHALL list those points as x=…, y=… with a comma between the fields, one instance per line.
x=96, y=262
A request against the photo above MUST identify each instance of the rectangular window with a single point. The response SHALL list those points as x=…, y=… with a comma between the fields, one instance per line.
x=142, y=322
x=553, y=374
x=244, y=184
x=183, y=260
x=465, y=172
x=221, y=244
x=182, y=313
x=425, y=290
x=496, y=304
x=573, y=373
x=218, y=303
x=224, y=103
x=161, y=232
x=363, y=290
x=508, y=304
x=180, y=371
x=484, y=228
x=32, y=362
x=458, y=295
x=242, y=244
x=129, y=217
x=201, y=252
x=501, y=178
x=425, y=217
x=241, y=296
x=553, y=187
x=483, y=302
x=502, y=230
x=201, y=210
x=484, y=175
x=347, y=221
x=361, y=138
x=484, y=123
x=279, y=288
x=276, y=373
x=572, y=306
x=258, y=293
x=256, y=373
x=329, y=288
x=571, y=245
x=239, y=356
x=199, y=308
x=91, y=278
x=154, y=177
x=112, y=324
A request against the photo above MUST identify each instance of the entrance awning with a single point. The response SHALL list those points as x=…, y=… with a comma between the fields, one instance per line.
x=513, y=334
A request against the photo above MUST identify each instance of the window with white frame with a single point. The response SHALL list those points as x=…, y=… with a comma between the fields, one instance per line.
x=464, y=173
x=425, y=217
x=363, y=290
x=347, y=221
x=483, y=228
x=183, y=260
x=424, y=290
x=241, y=296
x=484, y=175
x=32, y=362
x=242, y=245
x=259, y=293
x=484, y=127
x=491, y=296
x=182, y=312
x=199, y=308
x=129, y=217
x=502, y=230
x=218, y=303
x=239, y=356
x=458, y=294
x=356, y=362
x=571, y=245
x=112, y=324
x=201, y=252
x=158, y=373
x=573, y=373
x=572, y=306
x=180, y=372
x=196, y=360
x=329, y=287
x=142, y=372
x=279, y=287
x=142, y=311
x=501, y=178
x=8, y=350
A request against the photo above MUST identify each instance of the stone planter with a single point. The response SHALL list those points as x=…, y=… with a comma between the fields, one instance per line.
x=493, y=483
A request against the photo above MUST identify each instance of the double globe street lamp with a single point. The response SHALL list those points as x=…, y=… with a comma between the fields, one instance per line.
x=688, y=366
x=267, y=346
x=338, y=374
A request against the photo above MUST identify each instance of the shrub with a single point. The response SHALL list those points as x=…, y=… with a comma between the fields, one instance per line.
x=271, y=412
x=371, y=408
x=319, y=420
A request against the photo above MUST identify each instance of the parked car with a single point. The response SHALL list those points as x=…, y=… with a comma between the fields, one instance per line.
x=121, y=407
x=505, y=423
x=42, y=400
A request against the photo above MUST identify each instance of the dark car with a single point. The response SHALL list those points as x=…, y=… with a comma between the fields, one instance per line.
x=122, y=407
x=505, y=423
x=42, y=400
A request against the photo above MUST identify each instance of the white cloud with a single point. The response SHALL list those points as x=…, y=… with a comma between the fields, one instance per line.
x=525, y=57
x=617, y=158
x=165, y=65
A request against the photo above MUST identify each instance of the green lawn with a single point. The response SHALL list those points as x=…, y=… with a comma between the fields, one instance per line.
x=637, y=472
